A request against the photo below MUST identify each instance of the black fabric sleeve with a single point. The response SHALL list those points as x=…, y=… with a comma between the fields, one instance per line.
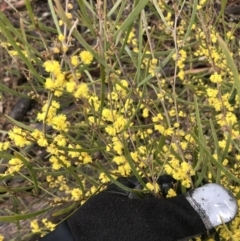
x=61, y=233
x=110, y=217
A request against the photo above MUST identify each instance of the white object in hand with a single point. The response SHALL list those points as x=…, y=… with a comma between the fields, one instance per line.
x=214, y=203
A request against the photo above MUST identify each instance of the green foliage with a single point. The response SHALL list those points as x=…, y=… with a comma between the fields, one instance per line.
x=120, y=89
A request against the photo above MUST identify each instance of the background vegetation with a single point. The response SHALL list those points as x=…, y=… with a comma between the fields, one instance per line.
x=115, y=88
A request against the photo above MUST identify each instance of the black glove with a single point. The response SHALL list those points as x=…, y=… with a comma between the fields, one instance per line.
x=115, y=214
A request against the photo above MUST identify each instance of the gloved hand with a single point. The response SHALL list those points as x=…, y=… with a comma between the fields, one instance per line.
x=115, y=214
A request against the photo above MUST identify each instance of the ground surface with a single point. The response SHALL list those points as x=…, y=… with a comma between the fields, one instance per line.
x=24, y=110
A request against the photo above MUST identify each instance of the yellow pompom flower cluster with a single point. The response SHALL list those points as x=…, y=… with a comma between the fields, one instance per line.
x=74, y=60
x=153, y=187
x=103, y=178
x=56, y=81
x=180, y=171
x=201, y=4
x=139, y=156
x=19, y=137
x=124, y=168
x=150, y=64
x=4, y=145
x=212, y=53
x=49, y=115
x=216, y=78
x=86, y=57
x=49, y=110
x=59, y=82
x=14, y=165
x=132, y=38
x=39, y=138
x=180, y=61
x=171, y=193
x=117, y=120
x=159, y=125
x=48, y=224
x=35, y=228
x=153, y=67
x=83, y=157
x=76, y=194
